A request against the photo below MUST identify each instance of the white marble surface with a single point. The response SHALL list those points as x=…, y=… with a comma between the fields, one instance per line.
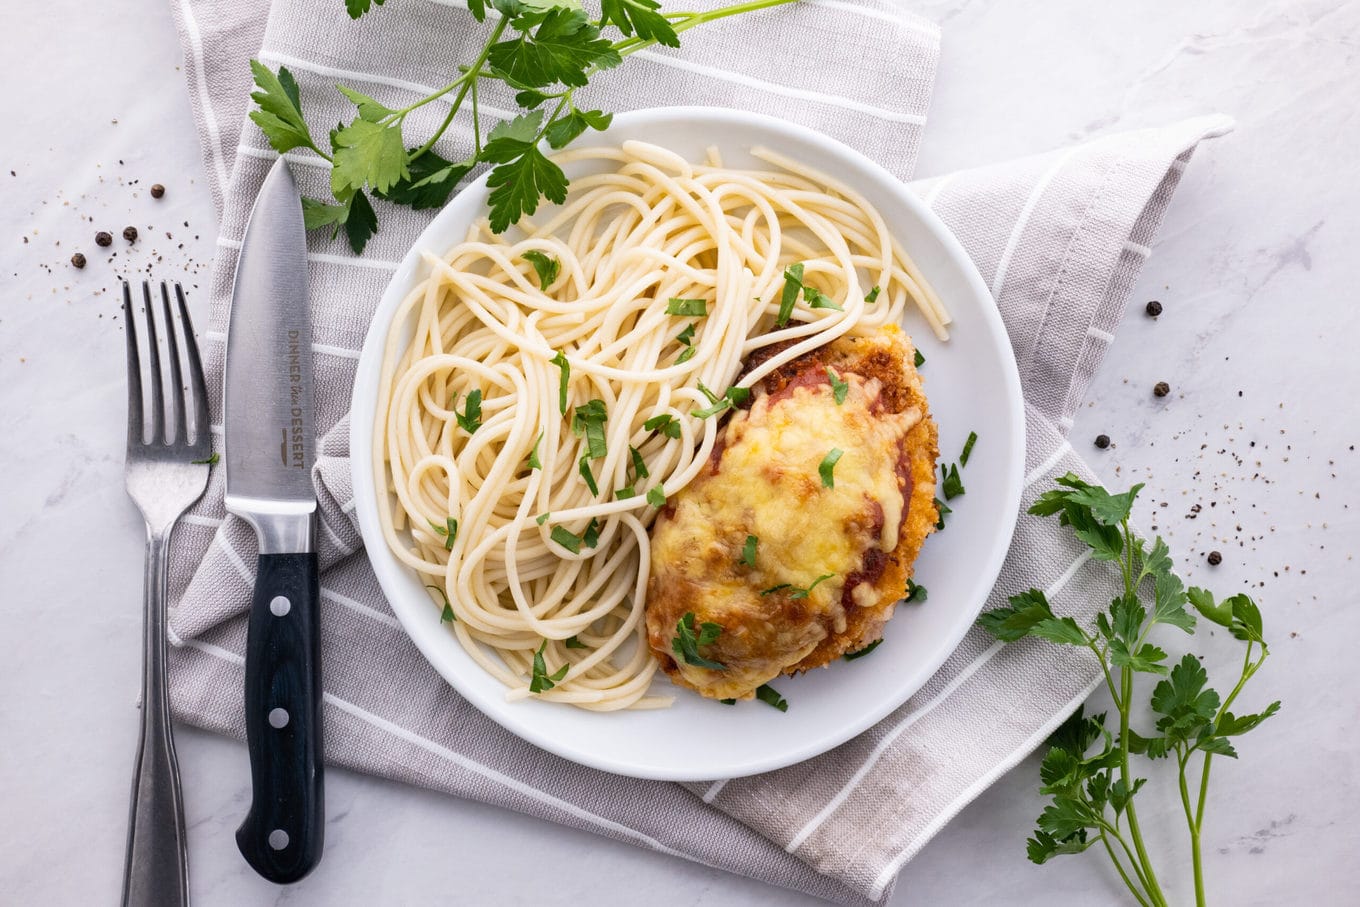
x=1254, y=266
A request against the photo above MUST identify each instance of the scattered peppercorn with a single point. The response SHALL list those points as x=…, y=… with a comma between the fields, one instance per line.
x=1154, y=308
x=78, y=260
x=157, y=190
x=1102, y=441
x=1161, y=388
x=103, y=238
x=130, y=234
x=1215, y=558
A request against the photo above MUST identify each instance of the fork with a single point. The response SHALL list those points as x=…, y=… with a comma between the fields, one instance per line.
x=166, y=473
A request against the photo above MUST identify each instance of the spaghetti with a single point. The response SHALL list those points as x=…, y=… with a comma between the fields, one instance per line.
x=528, y=433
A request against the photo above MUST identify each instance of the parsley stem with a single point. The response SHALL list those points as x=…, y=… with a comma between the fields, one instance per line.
x=1154, y=888
x=633, y=45
x=1119, y=867
x=465, y=83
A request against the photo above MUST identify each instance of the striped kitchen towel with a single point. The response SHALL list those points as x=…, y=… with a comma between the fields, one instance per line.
x=1058, y=237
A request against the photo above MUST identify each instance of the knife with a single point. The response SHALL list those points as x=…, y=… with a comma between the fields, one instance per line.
x=270, y=447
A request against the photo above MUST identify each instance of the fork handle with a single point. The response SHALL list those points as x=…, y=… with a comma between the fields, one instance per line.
x=281, y=836
x=156, y=870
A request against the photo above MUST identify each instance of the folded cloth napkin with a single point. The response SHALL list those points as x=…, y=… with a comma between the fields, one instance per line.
x=1058, y=237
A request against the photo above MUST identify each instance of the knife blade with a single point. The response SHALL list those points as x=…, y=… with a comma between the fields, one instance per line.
x=270, y=446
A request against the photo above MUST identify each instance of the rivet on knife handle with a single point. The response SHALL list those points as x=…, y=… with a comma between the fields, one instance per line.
x=282, y=834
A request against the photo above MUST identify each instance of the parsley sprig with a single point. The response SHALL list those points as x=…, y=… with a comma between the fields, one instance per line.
x=1087, y=769
x=544, y=49
x=687, y=641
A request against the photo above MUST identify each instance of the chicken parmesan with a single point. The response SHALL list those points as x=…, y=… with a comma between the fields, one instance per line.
x=794, y=544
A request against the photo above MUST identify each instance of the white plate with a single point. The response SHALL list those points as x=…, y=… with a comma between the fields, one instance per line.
x=972, y=384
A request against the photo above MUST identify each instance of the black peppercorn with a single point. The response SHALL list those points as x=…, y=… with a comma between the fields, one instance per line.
x=103, y=238
x=157, y=190
x=1215, y=558
x=1102, y=441
x=1161, y=388
x=78, y=260
x=1154, y=308
x=130, y=234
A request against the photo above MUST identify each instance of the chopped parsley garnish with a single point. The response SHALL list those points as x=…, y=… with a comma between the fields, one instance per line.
x=545, y=265
x=793, y=284
x=446, y=616
x=950, y=482
x=208, y=461
x=860, y=653
x=471, y=418
x=816, y=299
x=774, y=589
x=573, y=643
x=690, y=308
x=920, y=360
x=568, y=540
x=686, y=354
x=588, y=421
x=839, y=387
x=588, y=475
x=728, y=701
x=541, y=679
x=627, y=491
x=656, y=496
x=733, y=396
x=591, y=537
x=686, y=642
x=533, y=461
x=942, y=508
x=449, y=531
x=748, y=551
x=664, y=423
x=687, y=335
x=914, y=592
x=827, y=469
x=804, y=593
x=968, y=448
x=542, y=518
x=770, y=696
x=872, y=295
x=561, y=362
x=639, y=464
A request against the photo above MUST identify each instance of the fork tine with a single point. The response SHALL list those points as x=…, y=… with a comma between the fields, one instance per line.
x=180, y=435
x=153, y=354
x=198, y=386
x=134, y=372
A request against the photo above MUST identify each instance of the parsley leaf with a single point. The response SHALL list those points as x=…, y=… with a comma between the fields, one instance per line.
x=573, y=643
x=689, y=308
x=839, y=388
x=588, y=421
x=860, y=653
x=542, y=518
x=561, y=362
x=369, y=109
x=588, y=475
x=567, y=539
x=560, y=49
x=639, y=464
x=534, y=462
x=950, y=482
x=279, y=110
x=518, y=184
x=367, y=153
x=656, y=496
x=804, y=593
x=770, y=696
x=914, y=593
x=541, y=680
x=429, y=183
x=639, y=16
x=545, y=266
x=686, y=642
x=446, y=616
x=687, y=335
x=816, y=299
x=920, y=360
x=872, y=296
x=211, y=460
x=941, y=508
x=449, y=531
x=968, y=448
x=591, y=537
x=827, y=468
x=471, y=418
x=564, y=131
x=793, y=285
x=748, y=551
x=357, y=8
x=664, y=423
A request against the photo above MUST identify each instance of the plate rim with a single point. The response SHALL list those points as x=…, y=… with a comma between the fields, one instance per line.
x=364, y=479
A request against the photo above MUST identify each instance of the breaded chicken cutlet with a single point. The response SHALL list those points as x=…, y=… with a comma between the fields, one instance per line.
x=835, y=535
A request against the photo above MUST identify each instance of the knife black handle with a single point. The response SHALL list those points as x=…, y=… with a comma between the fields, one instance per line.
x=282, y=834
